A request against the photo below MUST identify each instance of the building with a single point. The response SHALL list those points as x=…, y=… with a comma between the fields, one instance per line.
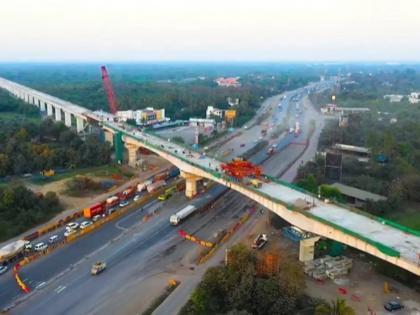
x=333, y=109
x=393, y=98
x=202, y=122
x=233, y=101
x=212, y=111
x=357, y=197
x=148, y=116
x=414, y=98
x=228, y=82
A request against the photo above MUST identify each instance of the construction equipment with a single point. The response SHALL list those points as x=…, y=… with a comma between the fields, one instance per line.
x=112, y=100
x=239, y=169
x=48, y=173
x=97, y=268
x=260, y=241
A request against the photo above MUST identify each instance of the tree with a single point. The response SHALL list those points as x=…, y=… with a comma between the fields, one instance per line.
x=337, y=307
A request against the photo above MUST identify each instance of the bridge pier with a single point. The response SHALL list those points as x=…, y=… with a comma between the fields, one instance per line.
x=190, y=184
x=79, y=124
x=307, y=249
x=42, y=106
x=58, y=114
x=49, y=109
x=132, y=154
x=67, y=119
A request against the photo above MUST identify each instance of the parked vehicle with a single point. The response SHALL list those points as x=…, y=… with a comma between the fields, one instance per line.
x=142, y=186
x=136, y=197
x=97, y=208
x=96, y=217
x=181, y=215
x=112, y=201
x=85, y=224
x=124, y=203
x=260, y=241
x=97, y=268
x=69, y=232
x=128, y=193
x=72, y=226
x=53, y=238
x=392, y=306
x=174, y=172
x=167, y=194
x=3, y=269
x=256, y=183
x=155, y=186
x=40, y=246
x=161, y=176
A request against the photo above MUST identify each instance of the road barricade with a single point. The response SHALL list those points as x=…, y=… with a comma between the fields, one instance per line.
x=194, y=239
x=19, y=281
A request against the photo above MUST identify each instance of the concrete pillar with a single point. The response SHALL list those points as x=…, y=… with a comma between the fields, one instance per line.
x=307, y=249
x=109, y=137
x=57, y=114
x=132, y=154
x=190, y=184
x=67, y=119
x=49, y=109
x=79, y=124
x=42, y=106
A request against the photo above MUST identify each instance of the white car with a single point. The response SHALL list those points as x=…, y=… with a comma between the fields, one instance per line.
x=136, y=197
x=3, y=269
x=72, y=226
x=96, y=218
x=40, y=246
x=69, y=232
x=53, y=239
x=124, y=203
x=85, y=224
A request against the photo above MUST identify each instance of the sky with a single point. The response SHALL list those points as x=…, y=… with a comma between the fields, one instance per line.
x=215, y=30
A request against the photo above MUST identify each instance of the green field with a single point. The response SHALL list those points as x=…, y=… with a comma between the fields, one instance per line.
x=10, y=116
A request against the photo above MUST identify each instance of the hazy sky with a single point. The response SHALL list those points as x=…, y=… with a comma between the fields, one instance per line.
x=209, y=30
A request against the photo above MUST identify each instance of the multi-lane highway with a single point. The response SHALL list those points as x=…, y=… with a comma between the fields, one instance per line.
x=133, y=249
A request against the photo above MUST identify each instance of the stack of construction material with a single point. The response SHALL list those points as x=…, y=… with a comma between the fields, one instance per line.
x=328, y=267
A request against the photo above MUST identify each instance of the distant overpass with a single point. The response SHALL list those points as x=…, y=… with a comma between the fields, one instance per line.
x=378, y=237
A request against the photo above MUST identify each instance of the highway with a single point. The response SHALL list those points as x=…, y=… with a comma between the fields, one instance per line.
x=62, y=279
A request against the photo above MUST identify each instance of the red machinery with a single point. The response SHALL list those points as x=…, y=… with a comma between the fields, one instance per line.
x=240, y=169
x=112, y=100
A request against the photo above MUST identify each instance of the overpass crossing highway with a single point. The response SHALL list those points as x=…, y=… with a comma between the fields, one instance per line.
x=376, y=236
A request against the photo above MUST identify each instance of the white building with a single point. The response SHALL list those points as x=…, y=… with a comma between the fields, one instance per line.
x=212, y=111
x=147, y=116
x=393, y=98
x=414, y=98
x=202, y=122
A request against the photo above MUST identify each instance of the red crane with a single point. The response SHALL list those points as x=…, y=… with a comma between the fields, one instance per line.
x=112, y=100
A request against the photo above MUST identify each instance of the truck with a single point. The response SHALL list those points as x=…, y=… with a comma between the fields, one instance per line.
x=270, y=151
x=112, y=202
x=173, y=172
x=167, y=194
x=128, y=193
x=142, y=186
x=12, y=249
x=260, y=241
x=97, y=208
x=161, y=176
x=155, y=186
x=181, y=215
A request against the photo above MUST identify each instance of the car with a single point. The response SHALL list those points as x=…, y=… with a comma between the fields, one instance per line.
x=97, y=268
x=96, y=217
x=124, y=203
x=392, y=306
x=136, y=197
x=53, y=238
x=40, y=246
x=242, y=145
x=245, y=127
x=69, y=232
x=3, y=269
x=85, y=224
x=72, y=225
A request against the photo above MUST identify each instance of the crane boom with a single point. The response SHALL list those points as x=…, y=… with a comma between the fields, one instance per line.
x=112, y=100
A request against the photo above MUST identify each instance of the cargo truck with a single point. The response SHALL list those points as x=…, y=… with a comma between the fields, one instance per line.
x=128, y=193
x=181, y=215
x=155, y=186
x=167, y=194
x=142, y=186
x=98, y=208
x=173, y=172
x=161, y=176
x=112, y=202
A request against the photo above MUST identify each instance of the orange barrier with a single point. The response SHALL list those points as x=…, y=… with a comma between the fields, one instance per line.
x=19, y=281
x=194, y=239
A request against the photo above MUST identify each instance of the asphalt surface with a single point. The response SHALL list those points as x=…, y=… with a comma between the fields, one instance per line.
x=61, y=281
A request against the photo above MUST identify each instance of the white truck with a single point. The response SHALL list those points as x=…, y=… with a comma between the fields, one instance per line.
x=154, y=186
x=176, y=218
x=142, y=186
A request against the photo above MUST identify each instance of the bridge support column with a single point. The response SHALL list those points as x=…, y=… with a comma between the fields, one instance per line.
x=307, y=249
x=79, y=124
x=67, y=119
x=42, y=106
x=49, y=109
x=58, y=114
x=109, y=137
x=132, y=154
x=190, y=184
